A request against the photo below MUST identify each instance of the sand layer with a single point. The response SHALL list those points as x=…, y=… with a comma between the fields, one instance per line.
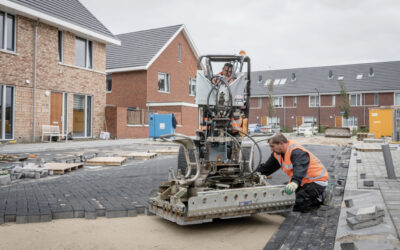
x=141, y=232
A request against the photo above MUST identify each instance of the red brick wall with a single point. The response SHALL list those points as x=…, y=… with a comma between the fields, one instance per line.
x=180, y=73
x=134, y=89
x=288, y=115
x=15, y=69
x=128, y=89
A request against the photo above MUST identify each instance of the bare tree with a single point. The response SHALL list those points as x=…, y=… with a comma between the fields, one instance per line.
x=271, y=108
x=345, y=107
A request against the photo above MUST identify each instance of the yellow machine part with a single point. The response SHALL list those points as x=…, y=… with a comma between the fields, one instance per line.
x=381, y=122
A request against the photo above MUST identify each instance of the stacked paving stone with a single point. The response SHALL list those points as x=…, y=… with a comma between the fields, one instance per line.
x=365, y=217
x=317, y=229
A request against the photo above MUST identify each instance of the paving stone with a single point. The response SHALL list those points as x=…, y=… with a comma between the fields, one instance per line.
x=116, y=213
x=348, y=246
x=79, y=213
x=45, y=217
x=338, y=191
x=355, y=224
x=132, y=212
x=348, y=202
x=368, y=183
x=140, y=209
x=90, y=214
x=63, y=214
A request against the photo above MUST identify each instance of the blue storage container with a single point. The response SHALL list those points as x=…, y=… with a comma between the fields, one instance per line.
x=160, y=124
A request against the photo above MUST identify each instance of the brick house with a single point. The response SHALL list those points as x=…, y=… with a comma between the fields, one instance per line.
x=151, y=72
x=304, y=95
x=52, y=69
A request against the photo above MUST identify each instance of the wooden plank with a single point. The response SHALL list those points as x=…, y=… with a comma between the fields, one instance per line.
x=62, y=168
x=143, y=155
x=169, y=150
x=107, y=161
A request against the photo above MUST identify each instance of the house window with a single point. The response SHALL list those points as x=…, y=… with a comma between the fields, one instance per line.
x=259, y=102
x=397, y=99
x=273, y=121
x=6, y=112
x=82, y=116
x=108, y=83
x=333, y=101
x=179, y=52
x=352, y=121
x=7, y=31
x=376, y=98
x=295, y=101
x=310, y=119
x=267, y=82
x=83, y=53
x=192, y=87
x=340, y=78
x=163, y=82
x=60, y=46
x=278, y=102
x=314, y=101
x=355, y=100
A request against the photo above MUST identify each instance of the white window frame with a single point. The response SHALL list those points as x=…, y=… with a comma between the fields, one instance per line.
x=108, y=75
x=87, y=56
x=274, y=121
x=280, y=101
x=192, y=82
x=376, y=99
x=333, y=100
x=394, y=98
x=85, y=128
x=352, y=120
x=314, y=103
x=356, y=96
x=3, y=112
x=168, y=82
x=306, y=119
x=5, y=33
x=60, y=56
x=179, y=52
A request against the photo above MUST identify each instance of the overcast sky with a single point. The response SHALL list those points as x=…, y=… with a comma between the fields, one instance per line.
x=275, y=34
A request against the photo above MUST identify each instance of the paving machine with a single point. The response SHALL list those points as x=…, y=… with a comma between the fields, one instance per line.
x=216, y=175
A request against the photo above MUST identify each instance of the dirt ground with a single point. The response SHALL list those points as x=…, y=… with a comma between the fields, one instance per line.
x=141, y=232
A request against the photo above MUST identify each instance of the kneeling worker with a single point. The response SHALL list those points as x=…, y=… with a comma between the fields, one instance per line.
x=308, y=176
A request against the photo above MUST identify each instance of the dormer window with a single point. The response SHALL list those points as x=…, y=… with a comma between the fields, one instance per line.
x=293, y=77
x=371, y=72
x=330, y=75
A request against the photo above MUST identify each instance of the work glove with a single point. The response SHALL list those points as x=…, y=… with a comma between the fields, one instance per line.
x=291, y=187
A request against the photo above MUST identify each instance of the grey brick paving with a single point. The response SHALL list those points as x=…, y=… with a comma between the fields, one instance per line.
x=85, y=193
x=317, y=229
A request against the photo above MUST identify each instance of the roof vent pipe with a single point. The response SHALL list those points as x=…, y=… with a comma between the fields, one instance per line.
x=330, y=76
x=259, y=78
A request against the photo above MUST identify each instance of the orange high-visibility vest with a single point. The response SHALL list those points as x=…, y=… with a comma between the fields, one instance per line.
x=237, y=124
x=315, y=172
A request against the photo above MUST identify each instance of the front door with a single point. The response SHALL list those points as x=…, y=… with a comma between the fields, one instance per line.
x=56, y=111
x=263, y=121
x=338, y=121
x=299, y=121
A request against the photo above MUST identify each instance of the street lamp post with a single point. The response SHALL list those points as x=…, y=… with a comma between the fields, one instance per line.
x=319, y=113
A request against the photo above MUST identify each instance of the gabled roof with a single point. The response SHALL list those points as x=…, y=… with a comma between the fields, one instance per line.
x=65, y=14
x=140, y=49
x=386, y=77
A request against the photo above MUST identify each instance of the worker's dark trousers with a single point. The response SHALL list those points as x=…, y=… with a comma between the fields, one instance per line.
x=308, y=196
